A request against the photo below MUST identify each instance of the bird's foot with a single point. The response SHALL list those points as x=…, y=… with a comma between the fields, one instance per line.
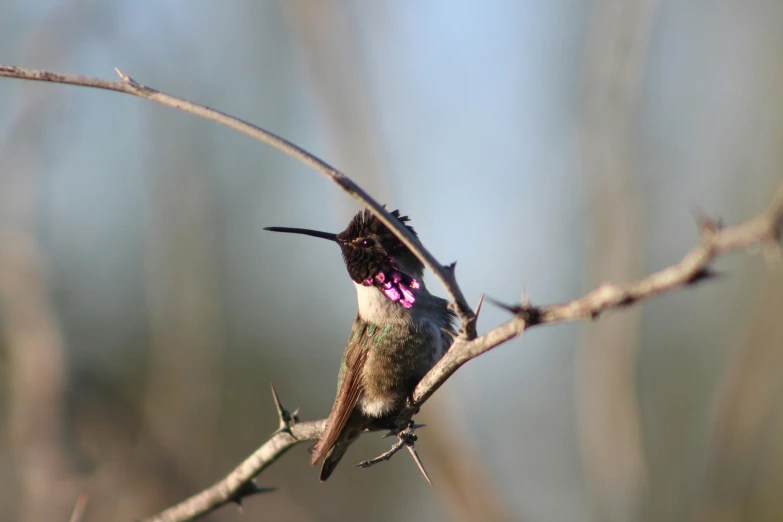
x=406, y=438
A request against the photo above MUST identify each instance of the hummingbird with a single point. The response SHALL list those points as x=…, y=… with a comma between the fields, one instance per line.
x=400, y=332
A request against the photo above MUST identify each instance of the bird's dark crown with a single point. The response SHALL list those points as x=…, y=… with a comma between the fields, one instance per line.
x=369, y=247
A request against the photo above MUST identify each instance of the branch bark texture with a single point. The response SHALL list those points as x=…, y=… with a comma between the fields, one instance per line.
x=763, y=230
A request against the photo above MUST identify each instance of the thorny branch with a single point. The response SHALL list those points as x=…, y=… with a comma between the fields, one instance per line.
x=763, y=230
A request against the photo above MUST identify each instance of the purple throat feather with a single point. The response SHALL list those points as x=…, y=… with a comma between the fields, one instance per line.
x=396, y=286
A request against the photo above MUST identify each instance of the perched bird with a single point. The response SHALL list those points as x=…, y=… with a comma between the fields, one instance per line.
x=400, y=332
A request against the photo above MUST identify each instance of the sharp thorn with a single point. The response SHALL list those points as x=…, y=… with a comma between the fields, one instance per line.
x=525, y=297
x=124, y=77
x=417, y=460
x=280, y=410
x=478, y=306
x=248, y=489
x=504, y=306
x=702, y=275
x=287, y=420
x=529, y=313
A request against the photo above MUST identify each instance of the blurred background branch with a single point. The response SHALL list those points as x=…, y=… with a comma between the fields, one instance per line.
x=41, y=481
x=746, y=412
x=610, y=434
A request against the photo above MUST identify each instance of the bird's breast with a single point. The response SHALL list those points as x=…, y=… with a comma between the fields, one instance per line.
x=399, y=356
x=376, y=308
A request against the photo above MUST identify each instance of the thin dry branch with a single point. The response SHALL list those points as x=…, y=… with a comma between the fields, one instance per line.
x=127, y=85
x=766, y=228
x=762, y=230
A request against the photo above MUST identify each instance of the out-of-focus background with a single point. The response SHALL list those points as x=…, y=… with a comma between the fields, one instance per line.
x=545, y=145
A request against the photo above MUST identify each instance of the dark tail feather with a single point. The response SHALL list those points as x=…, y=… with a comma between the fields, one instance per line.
x=332, y=459
x=350, y=431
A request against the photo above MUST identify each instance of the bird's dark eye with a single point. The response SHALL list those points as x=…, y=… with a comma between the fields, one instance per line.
x=368, y=243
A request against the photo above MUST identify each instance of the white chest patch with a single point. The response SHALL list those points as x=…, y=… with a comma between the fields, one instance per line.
x=377, y=408
x=374, y=307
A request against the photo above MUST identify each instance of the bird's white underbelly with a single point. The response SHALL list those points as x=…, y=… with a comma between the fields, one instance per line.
x=377, y=407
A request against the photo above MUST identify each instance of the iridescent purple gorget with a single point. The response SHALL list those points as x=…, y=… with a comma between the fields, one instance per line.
x=397, y=286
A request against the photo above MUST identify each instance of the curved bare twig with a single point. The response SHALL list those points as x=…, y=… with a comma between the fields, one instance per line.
x=766, y=228
x=127, y=85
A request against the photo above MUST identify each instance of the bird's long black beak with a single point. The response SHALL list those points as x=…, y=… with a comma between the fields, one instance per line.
x=304, y=231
